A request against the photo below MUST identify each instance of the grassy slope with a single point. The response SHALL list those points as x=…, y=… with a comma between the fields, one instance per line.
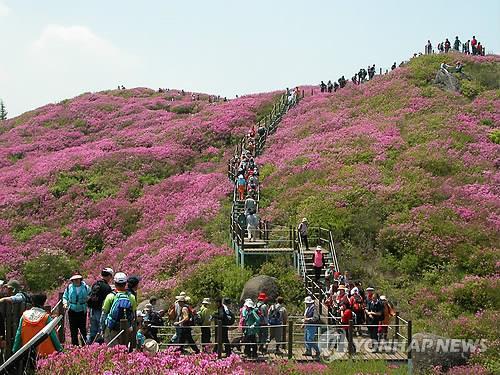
x=406, y=175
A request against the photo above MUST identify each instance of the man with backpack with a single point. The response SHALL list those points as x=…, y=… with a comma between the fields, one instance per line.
x=225, y=317
x=15, y=293
x=251, y=321
x=98, y=294
x=205, y=322
x=186, y=320
x=120, y=304
x=263, y=311
x=75, y=299
x=278, y=318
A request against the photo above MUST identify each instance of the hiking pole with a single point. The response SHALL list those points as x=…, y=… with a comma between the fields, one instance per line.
x=114, y=338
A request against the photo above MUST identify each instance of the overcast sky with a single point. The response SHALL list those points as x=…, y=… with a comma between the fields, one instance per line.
x=55, y=49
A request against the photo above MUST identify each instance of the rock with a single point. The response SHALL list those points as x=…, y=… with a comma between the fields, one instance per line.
x=257, y=284
x=161, y=304
x=430, y=350
x=447, y=81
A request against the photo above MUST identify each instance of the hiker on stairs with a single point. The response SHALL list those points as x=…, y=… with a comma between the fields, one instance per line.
x=318, y=262
x=241, y=184
x=252, y=226
x=303, y=229
x=250, y=206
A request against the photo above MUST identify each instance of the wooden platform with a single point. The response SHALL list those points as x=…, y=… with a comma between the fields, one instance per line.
x=268, y=250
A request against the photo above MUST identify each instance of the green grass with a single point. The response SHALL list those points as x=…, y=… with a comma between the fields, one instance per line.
x=25, y=232
x=366, y=367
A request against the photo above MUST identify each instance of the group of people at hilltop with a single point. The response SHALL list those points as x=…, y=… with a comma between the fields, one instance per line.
x=472, y=46
x=359, y=77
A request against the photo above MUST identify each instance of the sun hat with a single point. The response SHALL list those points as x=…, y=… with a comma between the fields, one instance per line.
x=304, y=220
x=75, y=277
x=14, y=284
x=262, y=296
x=120, y=278
x=370, y=289
x=206, y=301
x=180, y=298
x=308, y=300
x=249, y=303
x=148, y=307
x=319, y=248
x=151, y=346
x=342, y=287
x=383, y=298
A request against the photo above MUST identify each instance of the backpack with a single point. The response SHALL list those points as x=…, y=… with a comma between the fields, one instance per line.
x=171, y=314
x=94, y=296
x=276, y=316
x=263, y=313
x=229, y=318
x=194, y=317
x=27, y=298
x=358, y=303
x=120, y=309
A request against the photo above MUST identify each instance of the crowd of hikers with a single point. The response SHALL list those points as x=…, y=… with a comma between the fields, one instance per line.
x=471, y=47
x=96, y=313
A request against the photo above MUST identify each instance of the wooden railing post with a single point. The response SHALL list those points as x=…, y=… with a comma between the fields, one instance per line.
x=409, y=345
x=350, y=340
x=9, y=338
x=290, y=338
x=123, y=339
x=219, y=338
x=60, y=311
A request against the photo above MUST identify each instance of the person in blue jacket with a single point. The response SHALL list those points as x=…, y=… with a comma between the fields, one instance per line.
x=75, y=299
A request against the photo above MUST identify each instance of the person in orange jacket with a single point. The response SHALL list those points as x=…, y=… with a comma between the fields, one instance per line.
x=33, y=321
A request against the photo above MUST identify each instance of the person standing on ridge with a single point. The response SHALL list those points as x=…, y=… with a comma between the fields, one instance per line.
x=393, y=66
x=75, y=301
x=98, y=294
x=428, y=48
x=329, y=86
x=473, y=44
x=447, y=45
x=322, y=86
x=456, y=44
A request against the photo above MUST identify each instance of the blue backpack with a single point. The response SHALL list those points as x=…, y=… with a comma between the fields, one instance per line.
x=120, y=309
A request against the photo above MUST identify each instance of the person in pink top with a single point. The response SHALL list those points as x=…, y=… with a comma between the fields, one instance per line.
x=318, y=262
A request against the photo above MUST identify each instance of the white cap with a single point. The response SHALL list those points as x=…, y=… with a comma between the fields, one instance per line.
x=120, y=278
x=319, y=248
x=108, y=270
x=249, y=303
x=205, y=301
x=180, y=298
x=76, y=277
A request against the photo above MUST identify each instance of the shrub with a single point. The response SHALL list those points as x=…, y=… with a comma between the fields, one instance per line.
x=495, y=136
x=219, y=277
x=44, y=272
x=25, y=232
x=471, y=89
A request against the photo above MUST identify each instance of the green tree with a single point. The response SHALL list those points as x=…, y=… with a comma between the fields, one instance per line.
x=3, y=111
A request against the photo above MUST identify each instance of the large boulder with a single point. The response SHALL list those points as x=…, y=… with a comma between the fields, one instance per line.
x=257, y=284
x=430, y=350
x=447, y=81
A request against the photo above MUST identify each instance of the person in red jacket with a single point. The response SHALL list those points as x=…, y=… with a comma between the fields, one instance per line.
x=473, y=44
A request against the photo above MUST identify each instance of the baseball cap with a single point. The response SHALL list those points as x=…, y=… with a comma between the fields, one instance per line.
x=120, y=278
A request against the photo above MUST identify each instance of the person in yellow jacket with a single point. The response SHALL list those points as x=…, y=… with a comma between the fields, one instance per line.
x=33, y=321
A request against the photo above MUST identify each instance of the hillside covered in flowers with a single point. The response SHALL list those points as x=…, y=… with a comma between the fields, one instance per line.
x=406, y=175
x=124, y=178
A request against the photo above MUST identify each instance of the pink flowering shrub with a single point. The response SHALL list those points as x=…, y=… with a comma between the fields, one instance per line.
x=123, y=178
x=98, y=359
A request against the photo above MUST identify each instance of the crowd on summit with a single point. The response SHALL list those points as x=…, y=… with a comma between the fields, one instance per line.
x=471, y=47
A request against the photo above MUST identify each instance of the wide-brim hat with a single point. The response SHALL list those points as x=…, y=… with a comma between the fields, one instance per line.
x=383, y=298
x=180, y=298
x=76, y=277
x=262, y=296
x=151, y=346
x=370, y=289
x=304, y=220
x=206, y=301
x=249, y=303
x=342, y=287
x=319, y=248
x=308, y=300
